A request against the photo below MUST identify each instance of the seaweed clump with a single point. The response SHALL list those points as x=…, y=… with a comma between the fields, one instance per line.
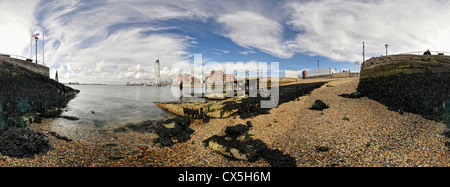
x=251, y=106
x=22, y=143
x=427, y=94
x=239, y=145
x=169, y=131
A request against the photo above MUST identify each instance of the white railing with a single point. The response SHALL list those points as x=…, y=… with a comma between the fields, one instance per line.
x=432, y=53
x=20, y=58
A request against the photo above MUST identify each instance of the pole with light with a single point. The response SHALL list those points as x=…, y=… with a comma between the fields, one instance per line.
x=364, y=52
x=386, y=49
x=36, y=38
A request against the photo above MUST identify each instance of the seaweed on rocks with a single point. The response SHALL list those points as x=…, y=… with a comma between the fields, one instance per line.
x=179, y=132
x=22, y=143
x=354, y=95
x=421, y=93
x=236, y=131
x=61, y=137
x=319, y=105
x=250, y=106
x=196, y=114
x=247, y=148
x=24, y=92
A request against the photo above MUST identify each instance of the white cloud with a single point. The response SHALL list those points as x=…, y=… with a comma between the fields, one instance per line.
x=130, y=54
x=16, y=26
x=246, y=52
x=100, y=67
x=91, y=39
x=337, y=28
x=253, y=30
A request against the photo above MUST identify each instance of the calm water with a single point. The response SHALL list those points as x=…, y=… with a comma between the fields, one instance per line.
x=113, y=105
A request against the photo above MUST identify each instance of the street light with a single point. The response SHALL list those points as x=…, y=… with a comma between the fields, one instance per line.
x=364, y=55
x=318, y=64
x=386, y=49
x=36, y=38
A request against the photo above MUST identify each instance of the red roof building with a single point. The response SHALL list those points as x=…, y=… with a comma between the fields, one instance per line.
x=219, y=76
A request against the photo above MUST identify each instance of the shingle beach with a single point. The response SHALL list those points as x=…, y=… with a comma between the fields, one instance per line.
x=350, y=133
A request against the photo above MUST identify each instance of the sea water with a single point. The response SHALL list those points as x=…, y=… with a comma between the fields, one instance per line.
x=115, y=105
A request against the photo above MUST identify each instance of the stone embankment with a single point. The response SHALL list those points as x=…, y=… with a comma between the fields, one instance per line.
x=409, y=83
x=34, y=67
x=405, y=64
x=27, y=97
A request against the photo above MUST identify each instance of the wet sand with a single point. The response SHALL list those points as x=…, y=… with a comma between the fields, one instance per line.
x=370, y=135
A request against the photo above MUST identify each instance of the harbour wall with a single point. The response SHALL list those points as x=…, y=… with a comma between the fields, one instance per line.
x=404, y=64
x=409, y=83
x=37, y=68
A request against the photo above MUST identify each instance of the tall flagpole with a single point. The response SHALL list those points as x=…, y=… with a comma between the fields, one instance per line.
x=36, y=48
x=31, y=45
x=43, y=43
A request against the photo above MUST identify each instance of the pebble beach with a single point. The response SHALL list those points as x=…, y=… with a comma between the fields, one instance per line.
x=350, y=133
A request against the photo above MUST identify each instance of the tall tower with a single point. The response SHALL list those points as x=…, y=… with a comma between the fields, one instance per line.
x=157, y=72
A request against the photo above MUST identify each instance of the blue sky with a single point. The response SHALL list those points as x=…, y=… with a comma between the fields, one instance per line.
x=113, y=41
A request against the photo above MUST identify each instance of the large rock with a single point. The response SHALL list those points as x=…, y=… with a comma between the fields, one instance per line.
x=319, y=105
x=354, y=95
x=425, y=94
x=230, y=151
x=168, y=131
x=22, y=143
x=237, y=145
x=238, y=130
x=247, y=150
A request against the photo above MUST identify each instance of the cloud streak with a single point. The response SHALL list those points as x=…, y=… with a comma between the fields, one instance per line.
x=97, y=40
x=16, y=26
x=336, y=29
x=252, y=30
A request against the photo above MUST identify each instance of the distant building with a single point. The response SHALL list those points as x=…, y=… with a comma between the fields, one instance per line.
x=219, y=76
x=329, y=73
x=194, y=80
x=291, y=73
x=325, y=73
x=186, y=78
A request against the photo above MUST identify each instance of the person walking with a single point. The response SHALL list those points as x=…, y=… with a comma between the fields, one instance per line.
x=427, y=52
x=181, y=91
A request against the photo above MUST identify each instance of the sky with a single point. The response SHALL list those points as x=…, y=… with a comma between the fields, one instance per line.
x=117, y=41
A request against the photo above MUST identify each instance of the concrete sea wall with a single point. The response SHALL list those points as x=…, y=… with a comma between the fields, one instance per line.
x=37, y=68
x=24, y=94
x=409, y=83
x=404, y=64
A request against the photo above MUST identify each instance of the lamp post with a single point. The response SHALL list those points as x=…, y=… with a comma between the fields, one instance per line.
x=318, y=64
x=364, y=55
x=36, y=38
x=386, y=49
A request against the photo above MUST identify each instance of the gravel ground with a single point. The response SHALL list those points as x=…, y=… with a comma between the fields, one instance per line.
x=370, y=135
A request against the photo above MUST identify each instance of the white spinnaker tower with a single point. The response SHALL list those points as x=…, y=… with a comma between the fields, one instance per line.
x=157, y=72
